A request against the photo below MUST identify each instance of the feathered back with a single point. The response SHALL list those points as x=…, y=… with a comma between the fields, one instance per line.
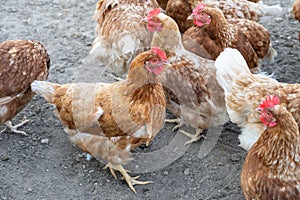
x=121, y=32
x=230, y=64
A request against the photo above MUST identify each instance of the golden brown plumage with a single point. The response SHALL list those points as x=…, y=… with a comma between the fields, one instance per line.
x=108, y=120
x=192, y=92
x=296, y=12
x=179, y=10
x=296, y=9
x=272, y=167
x=21, y=62
x=258, y=36
x=244, y=92
x=121, y=32
x=214, y=34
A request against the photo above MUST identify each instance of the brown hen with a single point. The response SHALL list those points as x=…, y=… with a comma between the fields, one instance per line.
x=109, y=120
x=244, y=92
x=179, y=10
x=212, y=33
x=121, y=32
x=21, y=62
x=190, y=84
x=296, y=12
x=272, y=167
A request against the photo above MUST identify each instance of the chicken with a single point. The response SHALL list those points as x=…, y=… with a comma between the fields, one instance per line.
x=244, y=92
x=272, y=166
x=212, y=33
x=21, y=62
x=179, y=10
x=296, y=12
x=121, y=32
x=109, y=120
x=193, y=94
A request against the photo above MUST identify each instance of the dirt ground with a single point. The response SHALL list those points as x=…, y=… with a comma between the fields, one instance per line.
x=45, y=165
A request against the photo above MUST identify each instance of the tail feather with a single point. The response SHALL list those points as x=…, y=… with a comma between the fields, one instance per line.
x=230, y=65
x=274, y=10
x=45, y=89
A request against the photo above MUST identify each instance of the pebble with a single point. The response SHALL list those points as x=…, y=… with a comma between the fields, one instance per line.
x=235, y=157
x=45, y=141
x=4, y=157
x=186, y=171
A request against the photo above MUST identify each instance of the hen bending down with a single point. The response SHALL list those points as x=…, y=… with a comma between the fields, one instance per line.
x=212, y=33
x=245, y=91
x=21, y=62
x=109, y=120
x=190, y=84
x=121, y=32
x=272, y=167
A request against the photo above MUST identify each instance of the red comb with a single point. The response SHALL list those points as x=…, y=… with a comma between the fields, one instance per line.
x=270, y=102
x=153, y=12
x=199, y=7
x=159, y=52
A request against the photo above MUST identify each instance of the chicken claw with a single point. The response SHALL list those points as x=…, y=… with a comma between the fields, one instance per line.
x=194, y=137
x=131, y=181
x=177, y=121
x=14, y=128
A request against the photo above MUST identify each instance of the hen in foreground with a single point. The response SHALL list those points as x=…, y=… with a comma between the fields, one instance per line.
x=245, y=91
x=190, y=84
x=272, y=167
x=109, y=120
x=21, y=62
x=122, y=34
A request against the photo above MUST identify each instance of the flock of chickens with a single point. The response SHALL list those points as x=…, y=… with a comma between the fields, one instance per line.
x=195, y=58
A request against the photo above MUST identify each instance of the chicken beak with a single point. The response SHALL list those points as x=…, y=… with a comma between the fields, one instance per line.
x=191, y=17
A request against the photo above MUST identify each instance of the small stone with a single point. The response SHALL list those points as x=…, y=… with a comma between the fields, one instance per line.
x=235, y=157
x=45, y=141
x=88, y=157
x=4, y=157
x=29, y=189
x=186, y=171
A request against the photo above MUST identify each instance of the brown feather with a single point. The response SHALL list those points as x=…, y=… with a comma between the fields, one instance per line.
x=272, y=167
x=21, y=62
x=111, y=114
x=216, y=36
x=120, y=22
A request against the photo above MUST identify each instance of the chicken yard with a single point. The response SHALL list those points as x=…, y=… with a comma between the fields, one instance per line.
x=45, y=164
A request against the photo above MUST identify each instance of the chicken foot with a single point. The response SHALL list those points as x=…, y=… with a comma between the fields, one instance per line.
x=194, y=137
x=14, y=128
x=131, y=181
x=174, y=121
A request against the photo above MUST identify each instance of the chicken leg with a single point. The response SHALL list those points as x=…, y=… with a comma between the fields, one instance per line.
x=14, y=128
x=131, y=181
x=194, y=137
x=174, y=121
